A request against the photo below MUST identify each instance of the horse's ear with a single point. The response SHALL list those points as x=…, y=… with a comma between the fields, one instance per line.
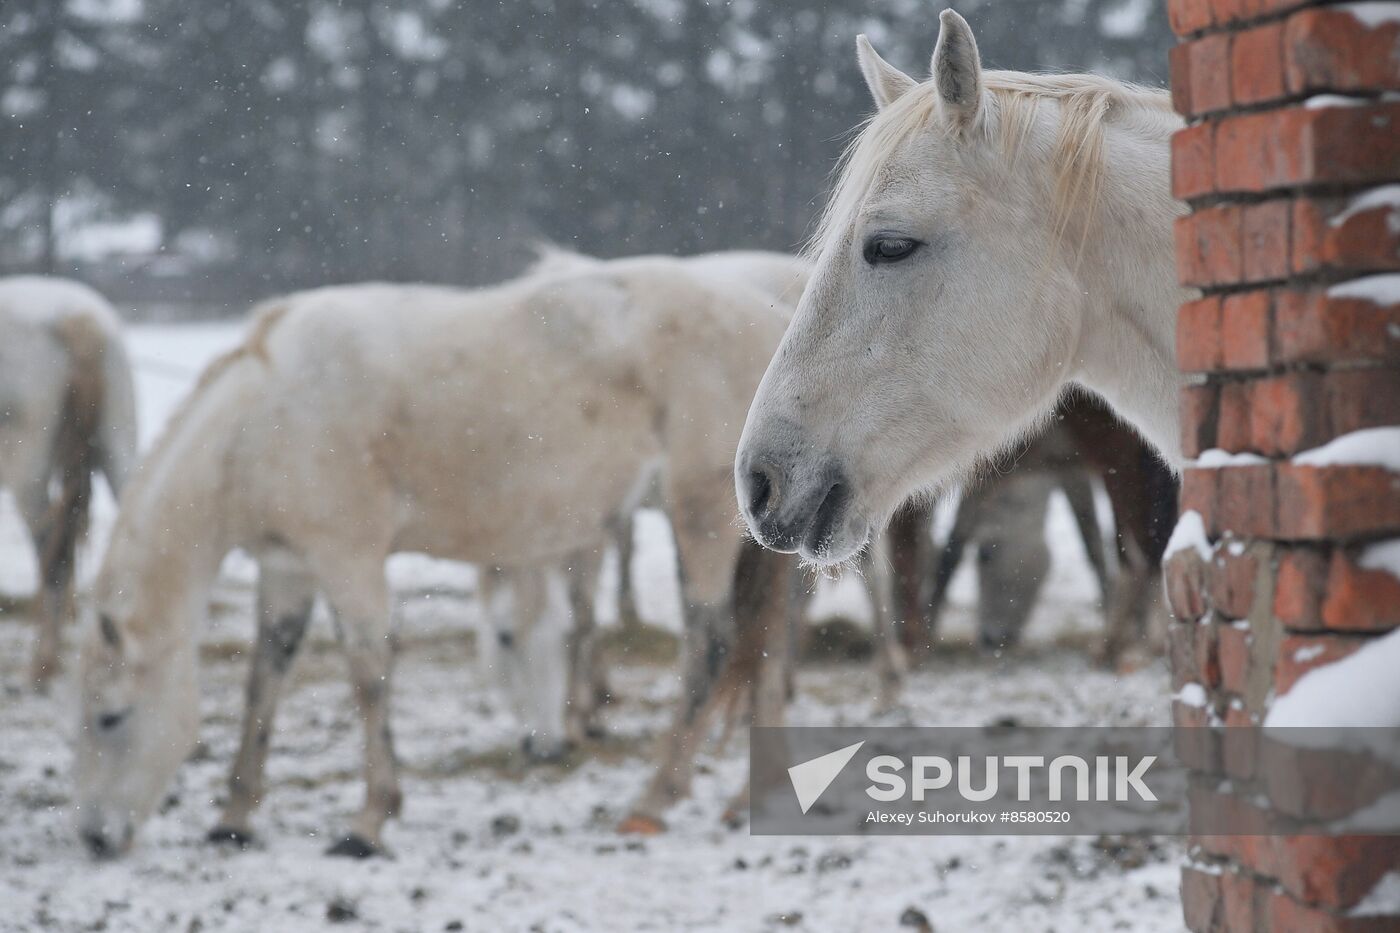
x=886, y=82
x=957, y=70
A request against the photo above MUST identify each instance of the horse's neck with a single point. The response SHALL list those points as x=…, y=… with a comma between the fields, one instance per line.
x=1127, y=344
x=175, y=526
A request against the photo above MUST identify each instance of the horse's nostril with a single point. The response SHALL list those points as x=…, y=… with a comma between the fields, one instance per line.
x=760, y=491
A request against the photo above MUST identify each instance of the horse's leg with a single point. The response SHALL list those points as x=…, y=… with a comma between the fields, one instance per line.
x=708, y=548
x=775, y=605
x=909, y=544
x=587, y=684
x=950, y=554
x=286, y=595
x=54, y=605
x=359, y=596
x=890, y=663
x=1079, y=490
x=624, y=539
x=1127, y=603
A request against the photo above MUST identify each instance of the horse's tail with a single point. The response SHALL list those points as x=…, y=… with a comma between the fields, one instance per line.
x=116, y=429
x=76, y=447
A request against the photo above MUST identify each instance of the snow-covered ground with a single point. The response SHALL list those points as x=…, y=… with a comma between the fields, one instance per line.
x=486, y=844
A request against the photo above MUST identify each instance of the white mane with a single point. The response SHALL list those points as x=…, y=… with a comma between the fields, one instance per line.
x=1011, y=107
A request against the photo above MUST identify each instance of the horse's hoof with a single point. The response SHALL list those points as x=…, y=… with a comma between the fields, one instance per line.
x=732, y=818
x=353, y=846
x=230, y=835
x=638, y=824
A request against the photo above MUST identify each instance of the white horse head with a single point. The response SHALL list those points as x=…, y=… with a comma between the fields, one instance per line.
x=994, y=236
x=139, y=718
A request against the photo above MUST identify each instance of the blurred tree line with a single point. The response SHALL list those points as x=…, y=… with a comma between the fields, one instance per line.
x=295, y=142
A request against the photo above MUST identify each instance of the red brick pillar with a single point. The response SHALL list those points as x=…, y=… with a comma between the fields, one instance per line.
x=1289, y=164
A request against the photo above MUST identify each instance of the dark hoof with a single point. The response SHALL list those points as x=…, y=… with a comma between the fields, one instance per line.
x=733, y=818
x=353, y=846
x=231, y=836
x=545, y=753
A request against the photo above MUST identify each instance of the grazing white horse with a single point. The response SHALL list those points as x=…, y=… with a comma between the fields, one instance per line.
x=994, y=237
x=506, y=427
x=66, y=411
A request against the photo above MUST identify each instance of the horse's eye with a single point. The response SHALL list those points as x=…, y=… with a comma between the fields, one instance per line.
x=109, y=721
x=884, y=248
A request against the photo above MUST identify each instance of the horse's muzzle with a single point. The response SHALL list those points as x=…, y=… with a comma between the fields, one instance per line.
x=789, y=510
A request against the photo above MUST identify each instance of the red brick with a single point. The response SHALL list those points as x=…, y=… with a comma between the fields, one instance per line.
x=1209, y=72
x=1337, y=502
x=1328, y=236
x=1246, y=502
x=1353, y=145
x=1260, y=151
x=1244, y=330
x=1333, y=871
x=1360, y=599
x=1243, y=900
x=1331, y=50
x=1200, y=407
x=1179, y=68
x=1181, y=654
x=1232, y=431
x=1286, y=915
x=1193, y=161
x=1233, y=650
x=1256, y=65
x=1208, y=247
x=1201, y=902
x=1265, y=240
x=1287, y=413
x=1299, y=654
x=1319, y=785
x=1302, y=576
x=1188, y=16
x=1185, y=574
x=1300, y=146
x=1198, y=335
x=1200, y=493
x=1310, y=327
x=1357, y=399
x=1232, y=572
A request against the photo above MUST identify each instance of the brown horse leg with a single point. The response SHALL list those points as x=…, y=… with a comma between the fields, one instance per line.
x=286, y=596
x=55, y=548
x=890, y=663
x=772, y=606
x=909, y=547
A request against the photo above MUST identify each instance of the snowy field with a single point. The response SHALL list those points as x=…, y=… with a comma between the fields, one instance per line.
x=488, y=844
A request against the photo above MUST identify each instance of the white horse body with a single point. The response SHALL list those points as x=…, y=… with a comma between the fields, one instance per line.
x=67, y=409
x=995, y=237
x=505, y=427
